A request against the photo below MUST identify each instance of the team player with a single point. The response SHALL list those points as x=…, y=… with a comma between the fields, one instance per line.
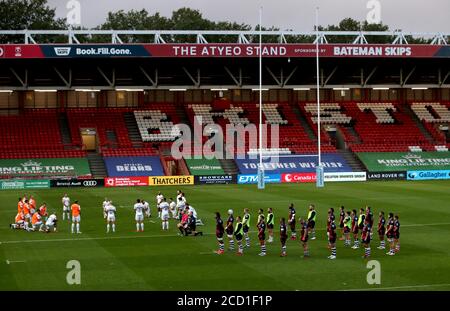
x=239, y=233
x=32, y=204
x=219, y=234
x=332, y=239
x=283, y=237
x=369, y=217
x=270, y=224
x=246, y=226
x=347, y=228
x=355, y=229
x=230, y=230
x=139, y=215
x=66, y=207
x=26, y=214
x=110, y=217
x=76, y=217
x=304, y=237
x=20, y=206
x=390, y=234
x=312, y=221
x=36, y=222
x=164, y=207
x=181, y=205
x=50, y=224
x=361, y=220
x=147, y=210
x=104, y=205
x=330, y=218
x=262, y=234
x=43, y=211
x=291, y=221
x=365, y=238
x=173, y=208
x=341, y=222
x=396, y=234
x=381, y=230
x=19, y=221
x=159, y=198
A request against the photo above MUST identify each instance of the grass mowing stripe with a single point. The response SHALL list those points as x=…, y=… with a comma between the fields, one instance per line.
x=395, y=287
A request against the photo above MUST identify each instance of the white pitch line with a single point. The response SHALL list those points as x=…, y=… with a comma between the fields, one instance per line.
x=14, y=261
x=396, y=287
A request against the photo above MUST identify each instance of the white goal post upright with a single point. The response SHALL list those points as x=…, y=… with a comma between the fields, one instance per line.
x=319, y=169
x=261, y=181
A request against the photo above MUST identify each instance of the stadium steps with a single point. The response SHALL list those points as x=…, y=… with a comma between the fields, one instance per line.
x=133, y=131
x=64, y=129
x=229, y=166
x=96, y=164
x=304, y=123
x=355, y=135
x=181, y=113
x=352, y=160
x=418, y=124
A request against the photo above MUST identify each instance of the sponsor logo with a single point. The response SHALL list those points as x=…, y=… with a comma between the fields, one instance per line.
x=126, y=181
x=171, y=180
x=102, y=51
x=18, y=51
x=387, y=175
x=298, y=177
x=428, y=175
x=24, y=184
x=253, y=179
x=62, y=51
x=215, y=179
x=345, y=176
x=2, y=52
x=76, y=183
x=90, y=183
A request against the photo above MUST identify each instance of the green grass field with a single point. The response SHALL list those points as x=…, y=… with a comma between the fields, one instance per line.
x=156, y=260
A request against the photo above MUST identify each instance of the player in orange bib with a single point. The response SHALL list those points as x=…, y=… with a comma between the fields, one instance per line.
x=76, y=212
x=19, y=206
x=18, y=221
x=32, y=204
x=43, y=210
x=36, y=222
x=26, y=213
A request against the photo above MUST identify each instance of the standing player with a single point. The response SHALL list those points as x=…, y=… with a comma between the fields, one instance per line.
x=32, y=204
x=219, y=234
x=381, y=230
x=76, y=215
x=369, y=217
x=332, y=239
x=239, y=233
x=230, y=230
x=365, y=238
x=181, y=205
x=246, y=226
x=355, y=229
x=270, y=224
x=304, y=237
x=159, y=198
x=104, y=205
x=330, y=218
x=26, y=214
x=312, y=221
x=110, y=217
x=139, y=215
x=20, y=206
x=361, y=219
x=283, y=237
x=66, y=207
x=291, y=221
x=347, y=228
x=396, y=234
x=341, y=221
x=164, y=207
x=262, y=234
x=390, y=234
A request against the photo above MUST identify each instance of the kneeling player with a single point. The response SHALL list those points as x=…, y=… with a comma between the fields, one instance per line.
x=18, y=221
x=219, y=234
x=283, y=237
x=36, y=222
x=304, y=237
x=50, y=224
x=262, y=235
x=239, y=233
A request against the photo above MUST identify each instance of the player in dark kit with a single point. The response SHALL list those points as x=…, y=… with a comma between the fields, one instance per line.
x=239, y=234
x=262, y=234
x=390, y=234
x=219, y=234
x=291, y=221
x=332, y=240
x=230, y=230
x=341, y=222
x=370, y=219
x=381, y=230
x=283, y=236
x=331, y=217
x=304, y=237
x=270, y=224
x=365, y=238
x=246, y=226
x=312, y=221
x=347, y=228
x=396, y=234
x=355, y=229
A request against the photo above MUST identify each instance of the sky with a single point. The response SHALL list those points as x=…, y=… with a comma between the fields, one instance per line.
x=408, y=15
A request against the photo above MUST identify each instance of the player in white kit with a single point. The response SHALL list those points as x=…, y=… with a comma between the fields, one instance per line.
x=139, y=217
x=50, y=224
x=159, y=199
x=110, y=217
x=181, y=205
x=104, y=205
x=147, y=210
x=164, y=214
x=66, y=207
x=173, y=208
